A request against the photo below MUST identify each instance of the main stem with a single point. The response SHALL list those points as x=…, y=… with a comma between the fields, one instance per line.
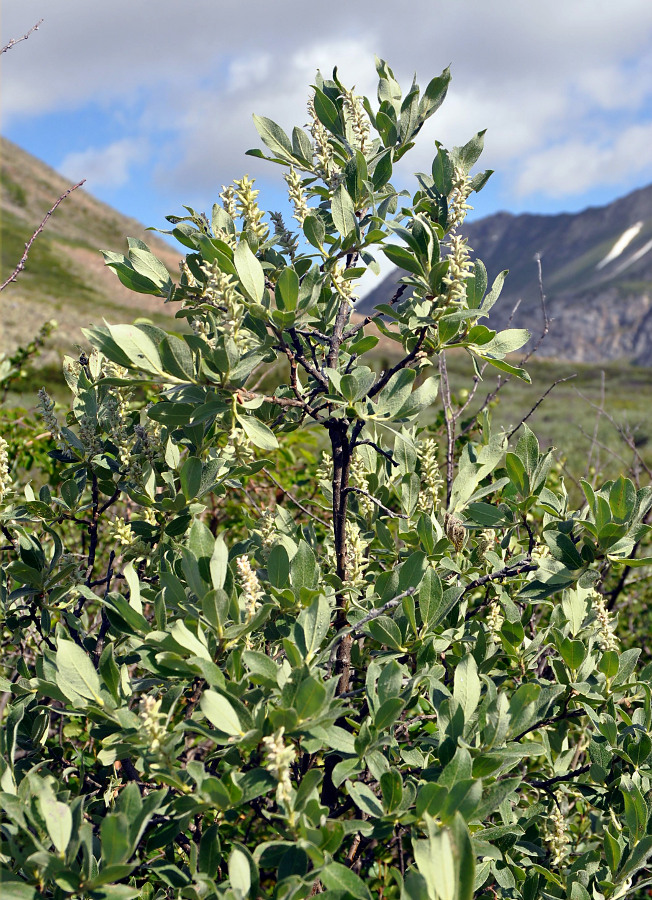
x=341, y=450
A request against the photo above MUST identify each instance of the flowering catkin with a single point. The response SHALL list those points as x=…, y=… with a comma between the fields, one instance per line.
x=250, y=585
x=5, y=479
x=279, y=759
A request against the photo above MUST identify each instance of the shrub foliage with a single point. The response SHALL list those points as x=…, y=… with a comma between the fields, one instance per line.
x=235, y=670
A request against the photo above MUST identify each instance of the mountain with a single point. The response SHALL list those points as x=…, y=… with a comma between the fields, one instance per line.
x=597, y=273
x=65, y=277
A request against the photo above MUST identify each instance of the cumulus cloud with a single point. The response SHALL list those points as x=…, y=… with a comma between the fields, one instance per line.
x=546, y=79
x=104, y=167
x=571, y=167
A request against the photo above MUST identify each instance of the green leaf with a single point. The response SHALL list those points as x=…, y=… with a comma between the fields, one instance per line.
x=57, y=817
x=309, y=698
x=314, y=230
x=278, y=566
x=239, y=872
x=190, y=476
x=337, y=877
x=219, y=563
x=303, y=568
x=313, y=624
x=391, y=788
x=466, y=685
x=386, y=631
x=517, y=474
x=506, y=367
x=388, y=713
x=220, y=713
x=287, y=289
x=506, y=342
x=355, y=385
x=114, y=833
x=327, y=112
x=273, y=137
x=469, y=154
x=261, y=666
x=636, y=811
x=573, y=653
x=622, y=500
x=365, y=799
x=434, y=94
x=138, y=346
x=343, y=211
x=259, y=434
x=250, y=271
x=402, y=258
x=176, y=358
x=15, y=889
x=395, y=393
x=76, y=674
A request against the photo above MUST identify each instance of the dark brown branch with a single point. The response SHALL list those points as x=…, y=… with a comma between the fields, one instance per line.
x=401, y=364
x=500, y=575
x=547, y=783
x=552, y=720
x=388, y=456
x=28, y=246
x=351, y=332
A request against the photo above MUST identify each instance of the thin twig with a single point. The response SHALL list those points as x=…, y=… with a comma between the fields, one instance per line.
x=502, y=381
x=627, y=438
x=295, y=500
x=538, y=403
x=596, y=428
x=385, y=509
x=28, y=246
x=14, y=41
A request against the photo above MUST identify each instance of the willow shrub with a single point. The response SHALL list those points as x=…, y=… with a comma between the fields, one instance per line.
x=409, y=686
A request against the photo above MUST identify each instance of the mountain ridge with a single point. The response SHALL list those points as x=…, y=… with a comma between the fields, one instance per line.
x=599, y=301
x=65, y=277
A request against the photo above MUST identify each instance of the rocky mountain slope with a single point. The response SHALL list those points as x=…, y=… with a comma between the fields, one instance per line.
x=597, y=270
x=65, y=277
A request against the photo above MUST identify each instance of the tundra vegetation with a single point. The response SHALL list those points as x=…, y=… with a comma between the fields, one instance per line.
x=267, y=634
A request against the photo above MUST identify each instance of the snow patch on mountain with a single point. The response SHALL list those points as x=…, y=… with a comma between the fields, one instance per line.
x=621, y=244
x=634, y=257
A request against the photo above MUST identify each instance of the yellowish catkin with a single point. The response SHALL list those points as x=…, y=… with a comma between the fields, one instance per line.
x=5, y=478
x=279, y=760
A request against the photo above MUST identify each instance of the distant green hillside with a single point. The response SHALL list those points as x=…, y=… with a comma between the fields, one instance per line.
x=65, y=278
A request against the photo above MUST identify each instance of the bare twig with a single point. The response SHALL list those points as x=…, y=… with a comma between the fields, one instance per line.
x=294, y=500
x=538, y=403
x=502, y=381
x=14, y=41
x=624, y=434
x=28, y=246
x=385, y=509
x=596, y=427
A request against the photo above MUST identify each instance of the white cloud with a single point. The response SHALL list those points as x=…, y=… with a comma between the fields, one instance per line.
x=546, y=79
x=571, y=167
x=104, y=167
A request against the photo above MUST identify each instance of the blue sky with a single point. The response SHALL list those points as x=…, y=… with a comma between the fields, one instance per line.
x=152, y=102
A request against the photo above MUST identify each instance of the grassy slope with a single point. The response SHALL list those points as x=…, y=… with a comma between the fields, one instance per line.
x=65, y=277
